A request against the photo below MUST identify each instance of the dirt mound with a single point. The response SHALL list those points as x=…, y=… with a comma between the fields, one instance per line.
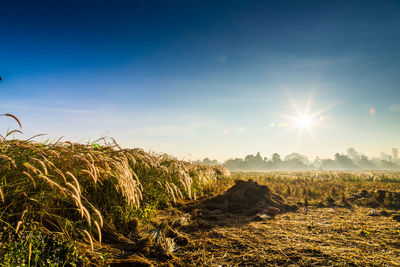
x=249, y=198
x=379, y=198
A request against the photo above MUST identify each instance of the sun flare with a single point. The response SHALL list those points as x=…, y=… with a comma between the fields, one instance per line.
x=304, y=121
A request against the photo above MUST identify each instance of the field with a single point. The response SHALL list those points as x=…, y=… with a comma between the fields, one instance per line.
x=85, y=204
x=337, y=227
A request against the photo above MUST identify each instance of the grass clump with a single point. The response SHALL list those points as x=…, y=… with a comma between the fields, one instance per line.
x=32, y=246
x=76, y=191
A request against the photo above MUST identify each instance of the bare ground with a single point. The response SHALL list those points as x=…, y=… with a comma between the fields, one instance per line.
x=318, y=236
x=307, y=237
x=250, y=225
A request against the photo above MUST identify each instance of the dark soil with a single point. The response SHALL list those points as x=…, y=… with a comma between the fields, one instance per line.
x=248, y=198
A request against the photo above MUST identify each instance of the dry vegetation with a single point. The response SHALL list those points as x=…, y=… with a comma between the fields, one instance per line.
x=320, y=236
x=342, y=219
x=82, y=204
x=65, y=193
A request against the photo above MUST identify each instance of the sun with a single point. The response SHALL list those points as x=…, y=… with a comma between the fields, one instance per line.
x=303, y=121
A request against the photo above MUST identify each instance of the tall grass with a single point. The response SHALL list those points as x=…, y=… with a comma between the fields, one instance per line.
x=75, y=189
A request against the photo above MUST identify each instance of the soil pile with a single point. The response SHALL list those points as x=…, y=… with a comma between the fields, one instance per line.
x=249, y=198
x=379, y=198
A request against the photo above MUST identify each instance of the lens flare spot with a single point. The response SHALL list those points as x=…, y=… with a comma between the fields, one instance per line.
x=272, y=125
x=226, y=131
x=372, y=111
x=322, y=118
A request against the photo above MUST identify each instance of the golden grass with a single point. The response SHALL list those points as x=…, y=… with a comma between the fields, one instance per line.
x=90, y=239
x=14, y=117
x=72, y=188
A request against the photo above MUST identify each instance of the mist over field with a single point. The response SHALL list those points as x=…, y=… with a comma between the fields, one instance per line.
x=351, y=160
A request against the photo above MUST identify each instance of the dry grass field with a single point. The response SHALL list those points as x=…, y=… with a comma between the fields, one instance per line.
x=320, y=236
x=91, y=204
x=351, y=219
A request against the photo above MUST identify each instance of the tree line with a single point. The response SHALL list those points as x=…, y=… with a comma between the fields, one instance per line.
x=351, y=160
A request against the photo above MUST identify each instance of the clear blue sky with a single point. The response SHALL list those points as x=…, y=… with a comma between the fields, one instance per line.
x=204, y=78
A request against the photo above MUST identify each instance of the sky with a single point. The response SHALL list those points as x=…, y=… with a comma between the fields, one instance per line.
x=196, y=79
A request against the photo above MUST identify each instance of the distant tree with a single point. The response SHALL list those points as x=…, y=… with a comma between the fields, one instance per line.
x=296, y=156
x=294, y=164
x=395, y=153
x=341, y=162
x=276, y=161
x=295, y=161
x=317, y=162
x=210, y=162
x=389, y=165
x=386, y=157
x=234, y=164
x=254, y=162
x=344, y=162
x=248, y=158
x=352, y=153
x=329, y=164
x=276, y=158
x=365, y=163
x=352, y=160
